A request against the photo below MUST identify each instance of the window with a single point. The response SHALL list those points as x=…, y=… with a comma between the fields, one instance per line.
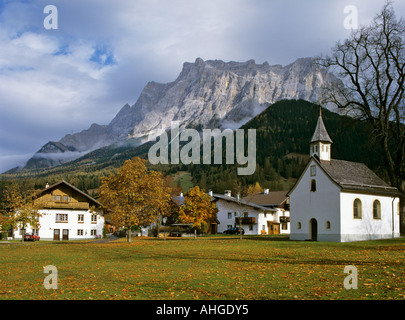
x=93, y=232
x=58, y=198
x=376, y=209
x=80, y=218
x=357, y=209
x=246, y=215
x=65, y=198
x=61, y=217
x=327, y=225
x=263, y=227
x=313, y=171
x=251, y=227
x=313, y=185
x=284, y=226
x=299, y=225
x=229, y=215
x=93, y=218
x=80, y=232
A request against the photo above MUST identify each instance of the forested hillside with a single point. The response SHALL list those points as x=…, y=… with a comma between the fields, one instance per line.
x=283, y=131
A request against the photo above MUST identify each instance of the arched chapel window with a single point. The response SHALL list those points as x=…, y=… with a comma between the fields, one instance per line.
x=357, y=209
x=376, y=209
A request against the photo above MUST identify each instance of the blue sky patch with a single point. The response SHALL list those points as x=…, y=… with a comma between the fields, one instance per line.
x=103, y=55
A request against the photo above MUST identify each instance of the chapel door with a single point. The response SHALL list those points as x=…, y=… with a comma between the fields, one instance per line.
x=314, y=230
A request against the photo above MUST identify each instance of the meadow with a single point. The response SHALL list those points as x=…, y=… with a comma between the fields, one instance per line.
x=211, y=267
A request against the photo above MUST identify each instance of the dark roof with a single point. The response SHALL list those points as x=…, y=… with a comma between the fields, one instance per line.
x=242, y=201
x=273, y=198
x=320, y=133
x=179, y=200
x=354, y=176
x=63, y=182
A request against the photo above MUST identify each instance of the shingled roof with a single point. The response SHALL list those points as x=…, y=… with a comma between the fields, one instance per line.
x=271, y=199
x=320, y=133
x=242, y=202
x=354, y=176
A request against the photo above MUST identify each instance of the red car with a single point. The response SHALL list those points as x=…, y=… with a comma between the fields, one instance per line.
x=31, y=237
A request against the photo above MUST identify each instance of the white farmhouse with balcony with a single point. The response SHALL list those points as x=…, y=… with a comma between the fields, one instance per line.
x=67, y=213
x=256, y=219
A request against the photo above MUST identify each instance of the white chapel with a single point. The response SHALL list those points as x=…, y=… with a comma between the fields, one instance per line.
x=340, y=201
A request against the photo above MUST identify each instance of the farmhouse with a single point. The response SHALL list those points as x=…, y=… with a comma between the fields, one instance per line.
x=340, y=201
x=256, y=219
x=67, y=214
x=276, y=200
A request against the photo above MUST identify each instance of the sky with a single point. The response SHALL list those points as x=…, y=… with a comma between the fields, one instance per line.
x=79, y=62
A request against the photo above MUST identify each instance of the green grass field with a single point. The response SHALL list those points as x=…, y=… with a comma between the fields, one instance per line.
x=215, y=267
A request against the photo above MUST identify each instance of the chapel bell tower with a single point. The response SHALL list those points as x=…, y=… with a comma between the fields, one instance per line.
x=320, y=145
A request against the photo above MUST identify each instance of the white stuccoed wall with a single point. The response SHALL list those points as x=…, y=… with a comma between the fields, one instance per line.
x=48, y=224
x=369, y=228
x=322, y=205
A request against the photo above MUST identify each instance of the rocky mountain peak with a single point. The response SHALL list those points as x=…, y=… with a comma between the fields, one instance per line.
x=210, y=94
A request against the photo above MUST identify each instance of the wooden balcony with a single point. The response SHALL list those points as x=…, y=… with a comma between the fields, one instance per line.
x=251, y=220
x=64, y=205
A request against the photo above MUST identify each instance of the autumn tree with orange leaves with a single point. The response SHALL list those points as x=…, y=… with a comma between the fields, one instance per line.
x=135, y=196
x=197, y=209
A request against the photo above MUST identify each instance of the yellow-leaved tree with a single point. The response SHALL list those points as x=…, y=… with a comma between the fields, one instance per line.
x=135, y=196
x=197, y=209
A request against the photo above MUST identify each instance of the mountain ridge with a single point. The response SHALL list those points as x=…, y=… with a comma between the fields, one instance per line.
x=209, y=94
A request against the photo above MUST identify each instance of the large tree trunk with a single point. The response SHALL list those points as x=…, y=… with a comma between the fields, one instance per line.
x=23, y=235
x=129, y=235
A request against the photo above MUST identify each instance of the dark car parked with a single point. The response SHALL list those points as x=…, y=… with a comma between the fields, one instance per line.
x=234, y=230
x=31, y=237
